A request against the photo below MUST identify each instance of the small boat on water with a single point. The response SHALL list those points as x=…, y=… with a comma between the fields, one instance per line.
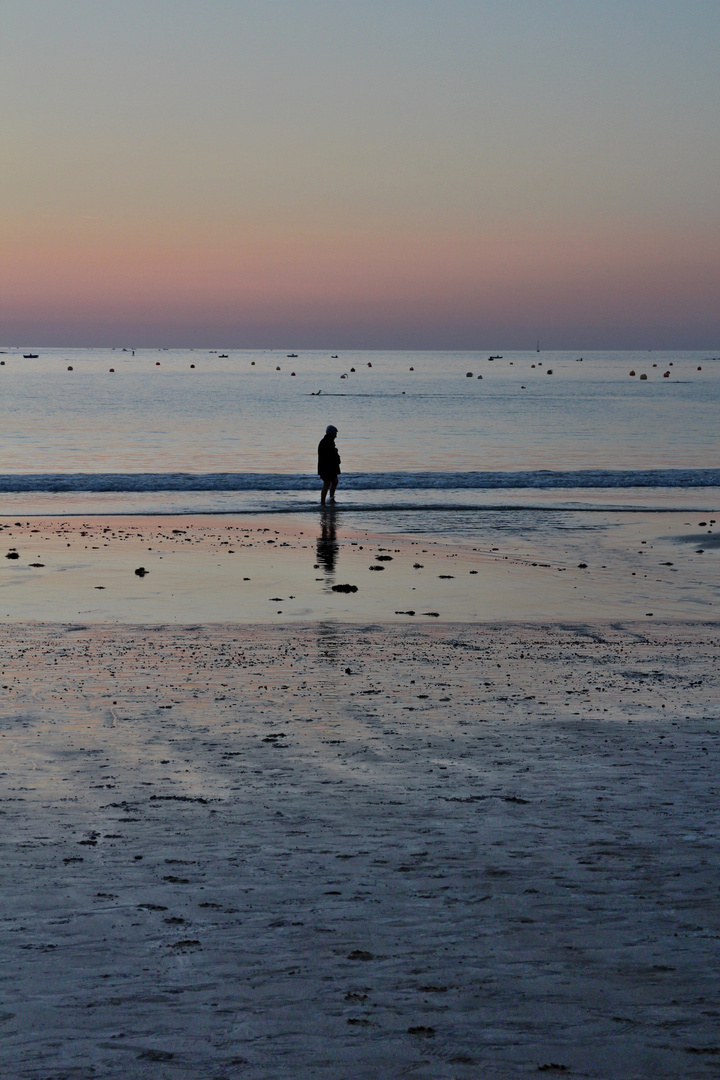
x=223, y=356
x=30, y=355
x=292, y=356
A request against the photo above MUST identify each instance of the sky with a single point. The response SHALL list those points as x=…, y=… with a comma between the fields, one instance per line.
x=424, y=174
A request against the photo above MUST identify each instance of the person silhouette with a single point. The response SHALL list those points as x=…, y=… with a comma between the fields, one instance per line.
x=328, y=464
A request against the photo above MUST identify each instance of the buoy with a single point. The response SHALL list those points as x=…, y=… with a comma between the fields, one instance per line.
x=112, y=369
x=666, y=374
x=411, y=369
x=277, y=369
x=468, y=375
x=352, y=368
x=643, y=376
x=192, y=365
x=292, y=373
x=70, y=368
x=632, y=372
x=369, y=364
x=157, y=363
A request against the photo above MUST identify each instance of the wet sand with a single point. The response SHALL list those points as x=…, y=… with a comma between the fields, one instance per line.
x=354, y=849
x=285, y=569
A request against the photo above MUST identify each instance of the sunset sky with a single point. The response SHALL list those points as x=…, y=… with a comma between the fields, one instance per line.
x=360, y=173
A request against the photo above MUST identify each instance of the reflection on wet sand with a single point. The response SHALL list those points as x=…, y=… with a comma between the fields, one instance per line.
x=327, y=553
x=327, y=545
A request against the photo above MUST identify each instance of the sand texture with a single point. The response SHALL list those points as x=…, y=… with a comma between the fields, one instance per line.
x=339, y=851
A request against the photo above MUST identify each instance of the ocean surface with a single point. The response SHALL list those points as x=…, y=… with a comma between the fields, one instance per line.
x=430, y=437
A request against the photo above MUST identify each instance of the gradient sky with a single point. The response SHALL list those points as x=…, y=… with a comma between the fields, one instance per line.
x=360, y=173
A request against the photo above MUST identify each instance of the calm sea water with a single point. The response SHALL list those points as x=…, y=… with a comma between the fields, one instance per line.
x=432, y=432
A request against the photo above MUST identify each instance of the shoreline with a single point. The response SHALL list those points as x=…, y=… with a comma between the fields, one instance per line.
x=349, y=508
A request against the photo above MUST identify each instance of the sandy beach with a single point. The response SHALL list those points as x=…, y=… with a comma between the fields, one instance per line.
x=285, y=568
x=359, y=540
x=356, y=850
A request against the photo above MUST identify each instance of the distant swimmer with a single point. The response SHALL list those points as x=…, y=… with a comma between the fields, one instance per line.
x=328, y=464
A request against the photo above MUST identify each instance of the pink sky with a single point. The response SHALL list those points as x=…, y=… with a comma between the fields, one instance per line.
x=363, y=289
x=318, y=174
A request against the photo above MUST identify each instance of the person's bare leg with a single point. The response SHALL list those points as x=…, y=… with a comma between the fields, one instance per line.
x=333, y=488
x=323, y=494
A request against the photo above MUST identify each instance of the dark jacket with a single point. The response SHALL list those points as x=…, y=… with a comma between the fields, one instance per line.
x=328, y=458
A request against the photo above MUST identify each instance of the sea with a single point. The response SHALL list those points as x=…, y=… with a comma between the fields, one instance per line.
x=430, y=441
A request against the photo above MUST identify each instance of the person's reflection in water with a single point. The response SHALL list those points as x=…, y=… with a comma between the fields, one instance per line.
x=327, y=545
